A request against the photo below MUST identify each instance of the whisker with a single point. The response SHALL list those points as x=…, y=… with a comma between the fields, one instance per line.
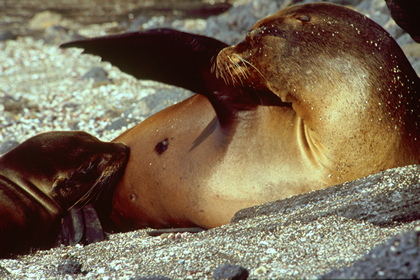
x=229, y=71
x=243, y=71
x=236, y=67
x=249, y=63
x=220, y=71
x=226, y=74
x=95, y=190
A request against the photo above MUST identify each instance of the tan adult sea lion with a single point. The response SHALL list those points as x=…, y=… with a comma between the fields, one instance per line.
x=316, y=95
x=45, y=176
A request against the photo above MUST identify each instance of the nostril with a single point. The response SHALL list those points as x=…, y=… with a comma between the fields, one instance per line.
x=241, y=47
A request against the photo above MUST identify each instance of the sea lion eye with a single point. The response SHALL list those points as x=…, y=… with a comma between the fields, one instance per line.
x=274, y=31
x=303, y=18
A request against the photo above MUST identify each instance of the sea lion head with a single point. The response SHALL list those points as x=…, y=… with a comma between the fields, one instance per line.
x=45, y=176
x=70, y=167
x=345, y=77
x=307, y=48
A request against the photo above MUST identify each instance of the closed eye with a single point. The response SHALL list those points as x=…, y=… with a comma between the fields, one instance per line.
x=303, y=18
x=274, y=31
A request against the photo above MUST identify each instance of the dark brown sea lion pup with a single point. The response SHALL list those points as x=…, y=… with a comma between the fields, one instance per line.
x=316, y=95
x=45, y=176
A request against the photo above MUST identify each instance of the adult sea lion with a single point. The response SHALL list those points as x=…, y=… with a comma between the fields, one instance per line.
x=45, y=176
x=316, y=95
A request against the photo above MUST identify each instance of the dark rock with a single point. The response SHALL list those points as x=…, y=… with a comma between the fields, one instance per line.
x=69, y=266
x=7, y=35
x=230, y=272
x=98, y=74
x=398, y=258
x=384, y=198
x=12, y=105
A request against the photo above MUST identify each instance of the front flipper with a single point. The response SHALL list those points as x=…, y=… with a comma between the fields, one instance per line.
x=180, y=59
x=80, y=226
x=165, y=55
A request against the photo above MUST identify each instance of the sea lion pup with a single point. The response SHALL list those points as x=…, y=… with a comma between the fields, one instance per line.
x=316, y=95
x=45, y=176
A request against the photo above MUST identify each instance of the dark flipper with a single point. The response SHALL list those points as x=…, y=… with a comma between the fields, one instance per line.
x=168, y=56
x=80, y=226
x=93, y=232
x=180, y=59
x=165, y=55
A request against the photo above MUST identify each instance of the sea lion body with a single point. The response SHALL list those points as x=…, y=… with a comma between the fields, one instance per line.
x=316, y=95
x=204, y=185
x=45, y=176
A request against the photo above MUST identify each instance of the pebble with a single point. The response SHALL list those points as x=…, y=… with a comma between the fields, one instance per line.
x=7, y=35
x=69, y=267
x=44, y=19
x=230, y=272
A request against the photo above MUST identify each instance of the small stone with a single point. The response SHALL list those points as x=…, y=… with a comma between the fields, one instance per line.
x=7, y=35
x=13, y=105
x=4, y=272
x=271, y=251
x=230, y=272
x=99, y=76
x=69, y=267
x=45, y=19
x=260, y=270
